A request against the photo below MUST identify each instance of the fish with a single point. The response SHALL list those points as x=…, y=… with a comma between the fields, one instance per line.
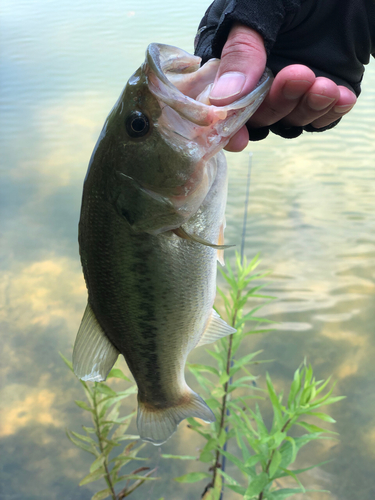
x=151, y=231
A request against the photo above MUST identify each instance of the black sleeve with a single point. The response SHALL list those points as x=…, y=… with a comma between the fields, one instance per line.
x=335, y=38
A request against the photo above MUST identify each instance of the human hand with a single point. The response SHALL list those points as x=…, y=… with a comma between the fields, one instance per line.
x=297, y=96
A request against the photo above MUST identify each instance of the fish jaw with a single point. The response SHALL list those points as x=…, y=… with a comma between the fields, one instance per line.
x=182, y=88
x=188, y=121
x=158, y=181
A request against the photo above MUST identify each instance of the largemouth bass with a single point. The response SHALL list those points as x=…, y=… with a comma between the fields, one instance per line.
x=151, y=231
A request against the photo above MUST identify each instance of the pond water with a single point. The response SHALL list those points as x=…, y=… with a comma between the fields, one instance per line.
x=311, y=216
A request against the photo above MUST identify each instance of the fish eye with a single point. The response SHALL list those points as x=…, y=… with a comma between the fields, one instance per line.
x=137, y=124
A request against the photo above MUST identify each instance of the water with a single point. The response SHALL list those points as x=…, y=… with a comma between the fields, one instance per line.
x=311, y=215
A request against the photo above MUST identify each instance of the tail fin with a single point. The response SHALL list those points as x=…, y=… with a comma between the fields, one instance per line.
x=157, y=425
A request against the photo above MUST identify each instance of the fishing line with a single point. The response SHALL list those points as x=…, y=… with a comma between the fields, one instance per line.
x=243, y=242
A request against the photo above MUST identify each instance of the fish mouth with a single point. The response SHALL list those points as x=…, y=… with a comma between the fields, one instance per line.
x=182, y=88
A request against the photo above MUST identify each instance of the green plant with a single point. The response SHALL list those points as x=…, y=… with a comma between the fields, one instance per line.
x=109, y=430
x=266, y=454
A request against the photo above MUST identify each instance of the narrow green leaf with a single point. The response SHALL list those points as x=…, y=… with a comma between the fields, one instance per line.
x=101, y=495
x=228, y=478
x=322, y=416
x=120, y=460
x=223, y=437
x=192, y=477
x=275, y=462
x=274, y=400
x=88, y=392
x=283, y=493
x=300, y=471
x=239, y=363
x=179, y=457
x=83, y=405
x=117, y=373
x=132, y=477
x=105, y=389
x=331, y=401
x=213, y=403
x=224, y=377
x=238, y=489
x=294, y=388
x=313, y=428
x=242, y=446
x=294, y=476
x=127, y=437
x=203, y=368
x=253, y=460
x=263, y=431
x=288, y=451
x=240, y=465
x=68, y=363
x=206, y=457
x=93, y=476
x=256, y=486
x=89, y=430
x=82, y=445
x=87, y=439
x=218, y=358
x=97, y=463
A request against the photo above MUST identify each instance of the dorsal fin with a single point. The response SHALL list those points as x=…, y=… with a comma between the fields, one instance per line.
x=216, y=329
x=93, y=353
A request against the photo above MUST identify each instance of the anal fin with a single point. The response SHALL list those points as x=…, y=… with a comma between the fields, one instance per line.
x=216, y=329
x=93, y=353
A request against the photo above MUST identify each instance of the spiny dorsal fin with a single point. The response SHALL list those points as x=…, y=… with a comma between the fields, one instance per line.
x=93, y=353
x=216, y=329
x=197, y=239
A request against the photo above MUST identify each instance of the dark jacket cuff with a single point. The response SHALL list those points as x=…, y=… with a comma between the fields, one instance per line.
x=264, y=16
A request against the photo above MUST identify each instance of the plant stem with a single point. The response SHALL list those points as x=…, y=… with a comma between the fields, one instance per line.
x=107, y=476
x=271, y=457
x=217, y=464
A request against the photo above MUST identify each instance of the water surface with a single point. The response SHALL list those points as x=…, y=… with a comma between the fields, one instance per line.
x=311, y=216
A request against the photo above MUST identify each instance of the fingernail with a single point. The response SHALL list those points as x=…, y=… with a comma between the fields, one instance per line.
x=319, y=102
x=293, y=89
x=228, y=85
x=343, y=109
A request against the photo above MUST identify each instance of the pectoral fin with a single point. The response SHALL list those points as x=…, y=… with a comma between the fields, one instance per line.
x=215, y=329
x=93, y=353
x=197, y=239
x=220, y=242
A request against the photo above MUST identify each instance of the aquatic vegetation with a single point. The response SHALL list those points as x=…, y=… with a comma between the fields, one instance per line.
x=266, y=453
x=263, y=453
x=109, y=430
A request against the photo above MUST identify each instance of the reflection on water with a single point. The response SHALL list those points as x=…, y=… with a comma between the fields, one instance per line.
x=311, y=215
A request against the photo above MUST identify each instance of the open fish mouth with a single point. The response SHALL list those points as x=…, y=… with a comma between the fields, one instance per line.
x=166, y=172
x=182, y=88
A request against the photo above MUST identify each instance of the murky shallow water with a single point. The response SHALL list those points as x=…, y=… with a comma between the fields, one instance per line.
x=311, y=215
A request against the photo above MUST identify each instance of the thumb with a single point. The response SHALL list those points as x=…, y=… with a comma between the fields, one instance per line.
x=243, y=60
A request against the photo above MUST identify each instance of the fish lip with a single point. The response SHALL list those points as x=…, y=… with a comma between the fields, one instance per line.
x=160, y=57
